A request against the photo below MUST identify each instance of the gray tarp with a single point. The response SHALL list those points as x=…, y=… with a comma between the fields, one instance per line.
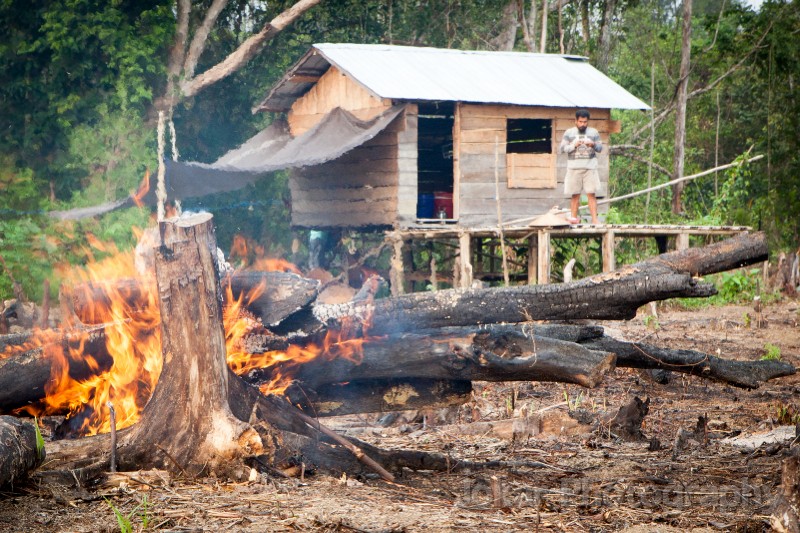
x=270, y=150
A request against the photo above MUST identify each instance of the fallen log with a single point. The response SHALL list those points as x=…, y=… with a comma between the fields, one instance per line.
x=25, y=376
x=475, y=357
x=745, y=374
x=19, y=452
x=609, y=296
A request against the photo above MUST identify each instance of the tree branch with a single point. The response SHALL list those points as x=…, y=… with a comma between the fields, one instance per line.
x=201, y=36
x=670, y=107
x=249, y=49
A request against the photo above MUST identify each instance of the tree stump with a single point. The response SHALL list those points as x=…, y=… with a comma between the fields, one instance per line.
x=188, y=418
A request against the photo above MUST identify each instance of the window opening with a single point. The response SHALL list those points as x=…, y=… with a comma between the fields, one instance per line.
x=529, y=136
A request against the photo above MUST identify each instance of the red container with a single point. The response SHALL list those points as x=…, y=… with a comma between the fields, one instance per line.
x=443, y=200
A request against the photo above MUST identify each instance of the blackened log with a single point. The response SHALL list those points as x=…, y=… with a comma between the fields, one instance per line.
x=745, y=374
x=272, y=296
x=474, y=357
x=19, y=454
x=378, y=396
x=24, y=376
x=609, y=296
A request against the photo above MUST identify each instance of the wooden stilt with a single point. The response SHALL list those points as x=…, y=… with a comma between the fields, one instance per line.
x=532, y=259
x=609, y=259
x=397, y=270
x=681, y=241
x=543, y=253
x=464, y=265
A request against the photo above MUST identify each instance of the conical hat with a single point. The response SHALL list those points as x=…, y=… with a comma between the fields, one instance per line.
x=555, y=217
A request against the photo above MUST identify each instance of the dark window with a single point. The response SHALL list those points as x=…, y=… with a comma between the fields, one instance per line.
x=529, y=136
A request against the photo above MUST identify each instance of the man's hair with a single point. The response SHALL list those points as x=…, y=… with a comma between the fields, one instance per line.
x=582, y=113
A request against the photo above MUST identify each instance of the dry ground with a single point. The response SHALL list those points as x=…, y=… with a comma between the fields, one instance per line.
x=568, y=477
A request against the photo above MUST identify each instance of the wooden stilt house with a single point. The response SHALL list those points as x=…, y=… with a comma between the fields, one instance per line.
x=451, y=132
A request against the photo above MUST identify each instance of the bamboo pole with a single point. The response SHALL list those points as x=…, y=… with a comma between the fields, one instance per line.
x=499, y=211
x=651, y=189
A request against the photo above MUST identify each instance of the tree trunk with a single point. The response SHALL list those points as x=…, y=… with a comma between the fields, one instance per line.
x=505, y=39
x=187, y=423
x=18, y=451
x=680, y=113
x=605, y=35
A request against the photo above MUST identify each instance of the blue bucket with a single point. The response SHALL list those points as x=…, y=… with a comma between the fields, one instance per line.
x=425, y=205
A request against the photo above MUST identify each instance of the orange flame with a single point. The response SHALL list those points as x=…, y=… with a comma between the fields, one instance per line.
x=141, y=192
x=241, y=249
x=132, y=339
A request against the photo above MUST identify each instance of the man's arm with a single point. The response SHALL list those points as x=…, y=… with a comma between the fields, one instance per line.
x=567, y=145
x=598, y=145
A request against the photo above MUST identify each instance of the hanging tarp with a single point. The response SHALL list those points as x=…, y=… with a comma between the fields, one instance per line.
x=270, y=150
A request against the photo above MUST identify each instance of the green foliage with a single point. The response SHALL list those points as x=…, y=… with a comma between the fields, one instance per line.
x=787, y=414
x=651, y=322
x=772, y=353
x=39, y=439
x=738, y=285
x=124, y=521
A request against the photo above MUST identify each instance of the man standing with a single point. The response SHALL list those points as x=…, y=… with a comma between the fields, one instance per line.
x=581, y=144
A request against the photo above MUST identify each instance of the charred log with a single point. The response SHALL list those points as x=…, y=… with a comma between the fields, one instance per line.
x=612, y=296
x=479, y=357
x=24, y=377
x=19, y=453
x=745, y=374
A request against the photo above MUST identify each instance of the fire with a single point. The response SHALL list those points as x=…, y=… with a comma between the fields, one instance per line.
x=131, y=325
x=255, y=255
x=281, y=364
x=144, y=188
x=119, y=295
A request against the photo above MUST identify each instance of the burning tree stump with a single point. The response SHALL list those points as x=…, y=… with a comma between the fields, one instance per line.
x=194, y=421
x=188, y=418
x=187, y=425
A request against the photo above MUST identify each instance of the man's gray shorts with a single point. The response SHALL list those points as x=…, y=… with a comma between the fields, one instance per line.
x=580, y=180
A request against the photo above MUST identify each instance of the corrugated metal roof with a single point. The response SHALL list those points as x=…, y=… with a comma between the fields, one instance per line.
x=411, y=73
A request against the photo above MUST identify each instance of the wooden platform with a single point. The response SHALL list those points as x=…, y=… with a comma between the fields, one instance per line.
x=539, y=245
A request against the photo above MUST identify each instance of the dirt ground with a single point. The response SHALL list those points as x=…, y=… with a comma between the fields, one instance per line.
x=559, y=476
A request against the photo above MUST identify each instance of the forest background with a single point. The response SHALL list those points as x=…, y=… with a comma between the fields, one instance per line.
x=83, y=81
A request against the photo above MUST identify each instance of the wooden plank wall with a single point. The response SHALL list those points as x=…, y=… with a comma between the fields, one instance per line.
x=363, y=187
x=334, y=89
x=480, y=131
x=407, y=167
